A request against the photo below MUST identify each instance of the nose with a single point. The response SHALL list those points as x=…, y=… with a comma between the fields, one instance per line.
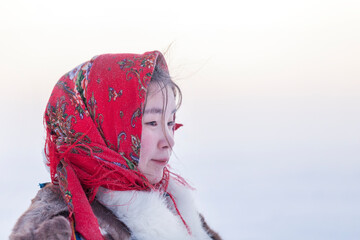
x=167, y=139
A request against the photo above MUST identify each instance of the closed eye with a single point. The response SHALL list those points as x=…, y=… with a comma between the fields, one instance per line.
x=171, y=124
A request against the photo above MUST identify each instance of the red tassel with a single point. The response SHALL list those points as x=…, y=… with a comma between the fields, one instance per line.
x=178, y=212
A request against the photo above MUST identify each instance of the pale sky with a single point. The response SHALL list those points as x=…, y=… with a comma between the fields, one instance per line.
x=271, y=111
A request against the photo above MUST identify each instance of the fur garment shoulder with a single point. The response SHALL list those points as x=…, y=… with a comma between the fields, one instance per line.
x=47, y=218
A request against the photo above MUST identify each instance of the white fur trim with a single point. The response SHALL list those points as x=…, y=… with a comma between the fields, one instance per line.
x=149, y=215
x=186, y=204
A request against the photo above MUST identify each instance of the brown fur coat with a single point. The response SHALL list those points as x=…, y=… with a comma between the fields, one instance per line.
x=46, y=218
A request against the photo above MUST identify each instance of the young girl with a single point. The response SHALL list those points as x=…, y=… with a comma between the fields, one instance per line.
x=110, y=126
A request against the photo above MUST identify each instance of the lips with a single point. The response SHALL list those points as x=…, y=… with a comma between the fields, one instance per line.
x=163, y=161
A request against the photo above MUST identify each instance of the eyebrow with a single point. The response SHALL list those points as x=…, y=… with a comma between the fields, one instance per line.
x=157, y=111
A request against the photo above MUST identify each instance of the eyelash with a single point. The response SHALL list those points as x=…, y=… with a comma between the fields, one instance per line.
x=154, y=123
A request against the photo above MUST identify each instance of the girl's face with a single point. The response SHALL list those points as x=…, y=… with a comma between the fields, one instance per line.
x=157, y=137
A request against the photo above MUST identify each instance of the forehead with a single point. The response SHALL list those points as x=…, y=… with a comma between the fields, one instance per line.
x=159, y=97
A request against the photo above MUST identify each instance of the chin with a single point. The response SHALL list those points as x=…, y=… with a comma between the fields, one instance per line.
x=154, y=179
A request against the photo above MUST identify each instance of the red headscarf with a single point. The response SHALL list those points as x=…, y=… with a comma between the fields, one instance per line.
x=94, y=121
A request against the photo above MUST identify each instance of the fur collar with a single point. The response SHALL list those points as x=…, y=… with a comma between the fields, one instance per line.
x=150, y=215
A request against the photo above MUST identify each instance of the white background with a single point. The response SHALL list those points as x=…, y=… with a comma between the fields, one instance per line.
x=271, y=103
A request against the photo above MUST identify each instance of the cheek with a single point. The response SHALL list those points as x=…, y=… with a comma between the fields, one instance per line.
x=146, y=147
